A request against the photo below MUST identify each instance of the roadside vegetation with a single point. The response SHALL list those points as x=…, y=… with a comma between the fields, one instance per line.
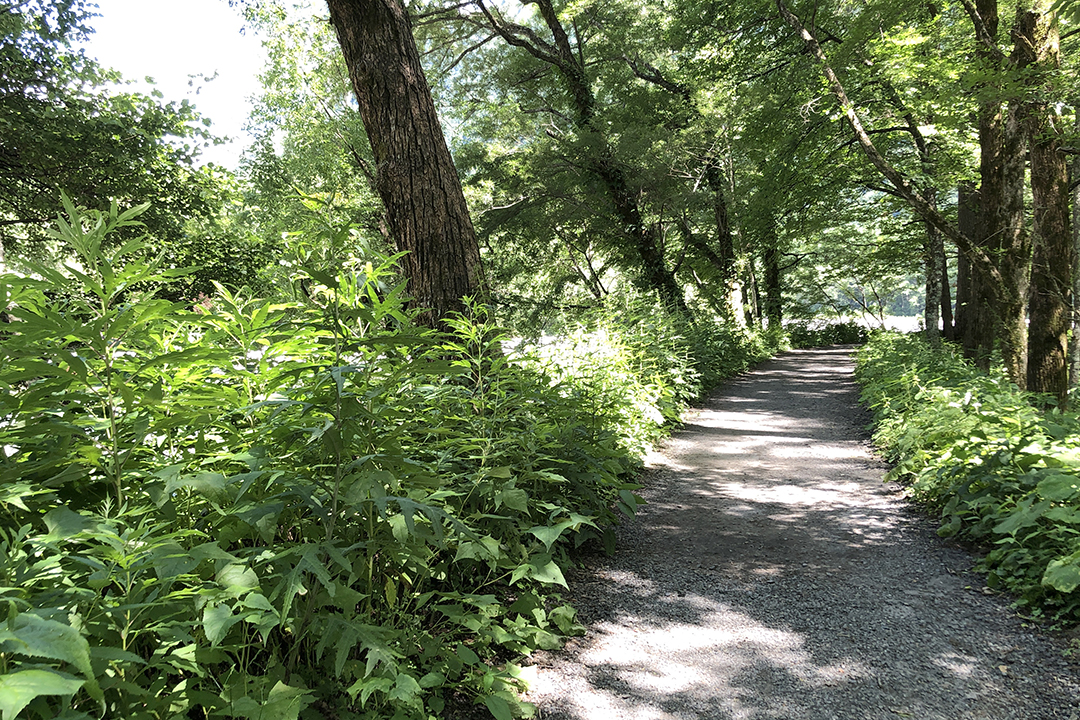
x=252, y=508
x=316, y=436
x=1001, y=472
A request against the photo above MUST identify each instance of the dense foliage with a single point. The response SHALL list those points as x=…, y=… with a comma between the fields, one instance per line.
x=1003, y=474
x=299, y=509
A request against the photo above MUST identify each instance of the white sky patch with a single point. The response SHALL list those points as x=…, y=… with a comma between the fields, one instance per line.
x=171, y=41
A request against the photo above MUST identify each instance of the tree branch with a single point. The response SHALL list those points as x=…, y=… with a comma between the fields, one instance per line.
x=903, y=186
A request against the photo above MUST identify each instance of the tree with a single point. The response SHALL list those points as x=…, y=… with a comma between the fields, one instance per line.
x=550, y=45
x=414, y=174
x=65, y=129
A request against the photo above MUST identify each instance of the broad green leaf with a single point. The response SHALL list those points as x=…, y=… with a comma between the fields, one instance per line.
x=499, y=708
x=366, y=687
x=37, y=637
x=550, y=533
x=171, y=560
x=543, y=569
x=1025, y=515
x=1059, y=487
x=217, y=620
x=467, y=655
x=432, y=680
x=237, y=578
x=63, y=523
x=18, y=689
x=406, y=689
x=1063, y=574
x=515, y=498
x=285, y=703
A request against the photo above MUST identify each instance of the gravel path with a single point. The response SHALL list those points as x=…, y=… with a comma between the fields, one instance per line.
x=774, y=575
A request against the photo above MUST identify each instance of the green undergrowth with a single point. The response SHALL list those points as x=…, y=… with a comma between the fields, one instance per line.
x=310, y=509
x=811, y=334
x=1001, y=473
x=634, y=367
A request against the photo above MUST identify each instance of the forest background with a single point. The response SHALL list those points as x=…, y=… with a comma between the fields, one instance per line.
x=316, y=437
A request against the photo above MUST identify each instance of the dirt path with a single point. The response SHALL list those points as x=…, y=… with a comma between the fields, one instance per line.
x=774, y=575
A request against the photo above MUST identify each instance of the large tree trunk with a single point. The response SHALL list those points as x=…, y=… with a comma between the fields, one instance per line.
x=974, y=317
x=1074, y=343
x=1051, y=277
x=415, y=175
x=1001, y=172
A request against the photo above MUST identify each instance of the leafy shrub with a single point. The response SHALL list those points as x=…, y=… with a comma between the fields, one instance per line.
x=809, y=334
x=635, y=366
x=1002, y=473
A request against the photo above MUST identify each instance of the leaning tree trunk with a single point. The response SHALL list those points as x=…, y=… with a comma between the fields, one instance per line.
x=1051, y=279
x=415, y=175
x=1005, y=269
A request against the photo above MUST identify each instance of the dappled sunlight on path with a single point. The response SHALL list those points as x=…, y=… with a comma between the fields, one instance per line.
x=773, y=575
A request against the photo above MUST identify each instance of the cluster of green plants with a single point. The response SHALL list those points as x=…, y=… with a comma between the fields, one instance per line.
x=1004, y=474
x=635, y=366
x=306, y=508
x=810, y=334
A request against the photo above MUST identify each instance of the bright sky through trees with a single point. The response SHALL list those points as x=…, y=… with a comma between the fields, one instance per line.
x=170, y=41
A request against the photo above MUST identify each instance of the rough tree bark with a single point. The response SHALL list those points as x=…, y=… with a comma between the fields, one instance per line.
x=414, y=174
x=1051, y=277
x=974, y=324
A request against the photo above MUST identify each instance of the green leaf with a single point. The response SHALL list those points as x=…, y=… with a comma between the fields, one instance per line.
x=217, y=620
x=499, y=708
x=285, y=703
x=37, y=637
x=543, y=569
x=549, y=534
x=406, y=689
x=467, y=655
x=18, y=689
x=432, y=680
x=63, y=523
x=171, y=560
x=1063, y=574
x=237, y=579
x=515, y=498
x=1059, y=487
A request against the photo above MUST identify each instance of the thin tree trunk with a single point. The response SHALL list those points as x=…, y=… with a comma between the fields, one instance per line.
x=774, y=304
x=948, y=328
x=935, y=255
x=414, y=173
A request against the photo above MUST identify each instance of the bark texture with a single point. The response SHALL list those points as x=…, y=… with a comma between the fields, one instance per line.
x=974, y=321
x=1051, y=278
x=414, y=175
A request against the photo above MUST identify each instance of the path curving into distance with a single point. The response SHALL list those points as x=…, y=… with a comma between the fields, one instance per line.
x=773, y=575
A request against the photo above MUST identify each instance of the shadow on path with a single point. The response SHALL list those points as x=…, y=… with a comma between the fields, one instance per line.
x=774, y=575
